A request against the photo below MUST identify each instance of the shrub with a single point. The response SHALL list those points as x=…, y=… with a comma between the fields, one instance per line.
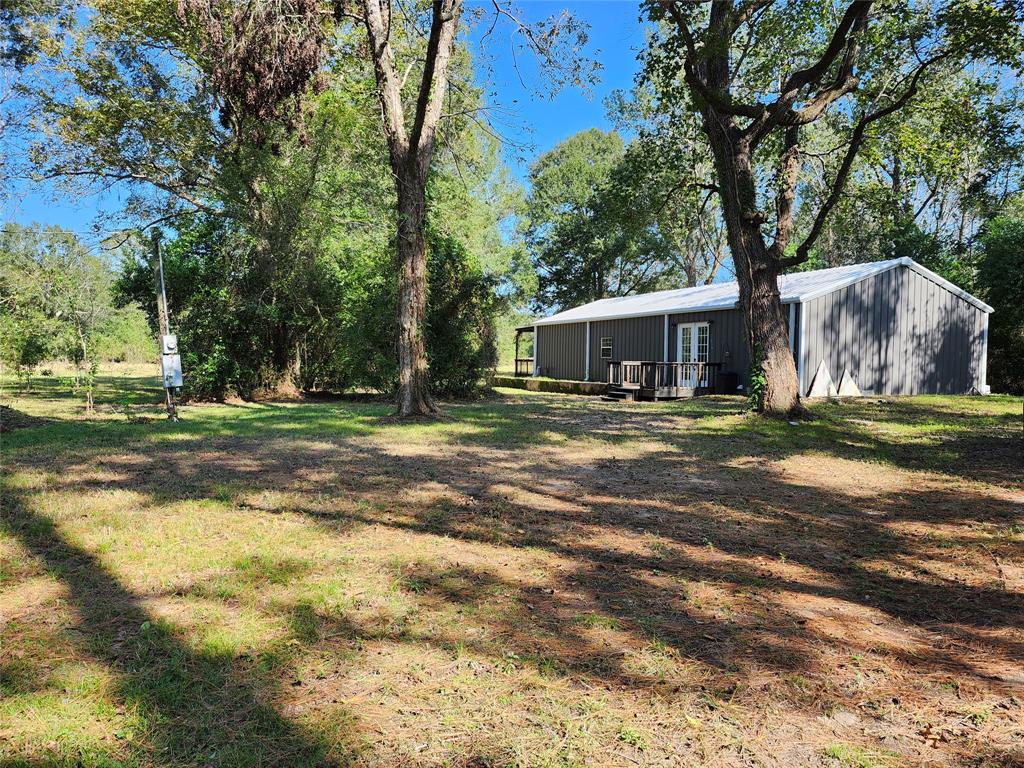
x=1001, y=282
x=461, y=309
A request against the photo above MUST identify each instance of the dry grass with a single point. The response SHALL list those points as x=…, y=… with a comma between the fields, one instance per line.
x=538, y=580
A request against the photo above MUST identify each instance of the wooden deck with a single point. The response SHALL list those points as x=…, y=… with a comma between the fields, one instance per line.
x=654, y=380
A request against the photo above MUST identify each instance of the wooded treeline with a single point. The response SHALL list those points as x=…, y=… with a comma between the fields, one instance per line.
x=57, y=302
x=278, y=214
x=336, y=213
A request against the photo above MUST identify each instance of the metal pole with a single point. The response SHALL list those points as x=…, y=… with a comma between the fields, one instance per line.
x=162, y=317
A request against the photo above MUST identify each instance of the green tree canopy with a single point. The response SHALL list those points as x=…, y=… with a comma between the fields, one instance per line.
x=279, y=218
x=606, y=219
x=1001, y=283
x=56, y=301
x=766, y=77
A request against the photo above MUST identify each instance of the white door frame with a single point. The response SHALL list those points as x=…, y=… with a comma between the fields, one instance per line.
x=691, y=329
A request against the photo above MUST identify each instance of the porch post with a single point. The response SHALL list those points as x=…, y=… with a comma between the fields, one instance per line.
x=536, y=346
x=515, y=370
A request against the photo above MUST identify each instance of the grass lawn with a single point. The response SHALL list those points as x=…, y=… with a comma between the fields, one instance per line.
x=538, y=580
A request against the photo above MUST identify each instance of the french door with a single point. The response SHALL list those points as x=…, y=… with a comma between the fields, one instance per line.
x=692, y=344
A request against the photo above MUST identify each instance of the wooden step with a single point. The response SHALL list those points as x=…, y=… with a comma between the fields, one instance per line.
x=620, y=394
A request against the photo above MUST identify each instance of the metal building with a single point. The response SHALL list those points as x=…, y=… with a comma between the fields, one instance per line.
x=890, y=327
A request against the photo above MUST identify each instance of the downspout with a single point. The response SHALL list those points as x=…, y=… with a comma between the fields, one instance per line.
x=985, y=389
x=586, y=360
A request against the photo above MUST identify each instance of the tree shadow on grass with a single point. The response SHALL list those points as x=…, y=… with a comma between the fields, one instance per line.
x=740, y=544
x=811, y=567
x=199, y=707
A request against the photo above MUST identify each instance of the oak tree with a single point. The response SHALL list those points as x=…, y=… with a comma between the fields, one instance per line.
x=761, y=73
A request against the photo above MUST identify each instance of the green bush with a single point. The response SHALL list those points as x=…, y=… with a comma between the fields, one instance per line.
x=461, y=309
x=246, y=326
x=1001, y=283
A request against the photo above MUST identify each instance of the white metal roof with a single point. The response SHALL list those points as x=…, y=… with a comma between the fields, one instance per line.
x=795, y=287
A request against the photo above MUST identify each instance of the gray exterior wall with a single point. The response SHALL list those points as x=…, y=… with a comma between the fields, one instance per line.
x=561, y=347
x=559, y=350
x=727, y=341
x=635, y=338
x=898, y=333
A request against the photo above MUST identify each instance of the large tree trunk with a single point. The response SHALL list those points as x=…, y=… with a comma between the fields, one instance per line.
x=757, y=272
x=413, y=387
x=411, y=149
x=767, y=334
x=803, y=96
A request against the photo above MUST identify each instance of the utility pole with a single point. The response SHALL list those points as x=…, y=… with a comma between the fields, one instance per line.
x=170, y=360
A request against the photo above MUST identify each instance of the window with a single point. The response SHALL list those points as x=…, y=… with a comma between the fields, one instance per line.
x=606, y=347
x=702, y=343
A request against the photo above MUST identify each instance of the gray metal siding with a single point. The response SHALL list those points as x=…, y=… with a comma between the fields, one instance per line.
x=898, y=333
x=727, y=339
x=560, y=350
x=636, y=338
x=641, y=338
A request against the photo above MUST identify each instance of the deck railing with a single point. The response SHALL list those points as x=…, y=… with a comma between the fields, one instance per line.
x=524, y=366
x=650, y=374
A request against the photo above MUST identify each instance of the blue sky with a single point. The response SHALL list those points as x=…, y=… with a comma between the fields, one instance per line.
x=536, y=120
x=533, y=123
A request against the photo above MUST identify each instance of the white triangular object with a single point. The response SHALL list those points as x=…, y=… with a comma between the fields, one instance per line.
x=847, y=386
x=822, y=384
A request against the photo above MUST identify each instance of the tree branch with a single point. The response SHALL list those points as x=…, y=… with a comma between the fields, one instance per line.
x=427, y=80
x=444, y=25
x=854, y=18
x=722, y=23
x=845, y=39
x=684, y=28
x=130, y=176
x=789, y=167
x=746, y=10
x=856, y=139
x=377, y=21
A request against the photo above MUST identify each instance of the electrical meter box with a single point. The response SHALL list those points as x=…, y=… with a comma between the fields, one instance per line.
x=169, y=344
x=170, y=366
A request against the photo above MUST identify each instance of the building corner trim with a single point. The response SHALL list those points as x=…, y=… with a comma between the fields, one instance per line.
x=984, y=388
x=586, y=355
x=536, y=351
x=801, y=338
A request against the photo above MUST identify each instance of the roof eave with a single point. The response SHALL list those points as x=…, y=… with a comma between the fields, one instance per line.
x=904, y=261
x=659, y=313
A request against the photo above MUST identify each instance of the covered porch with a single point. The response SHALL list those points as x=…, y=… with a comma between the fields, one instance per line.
x=659, y=380
x=524, y=365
